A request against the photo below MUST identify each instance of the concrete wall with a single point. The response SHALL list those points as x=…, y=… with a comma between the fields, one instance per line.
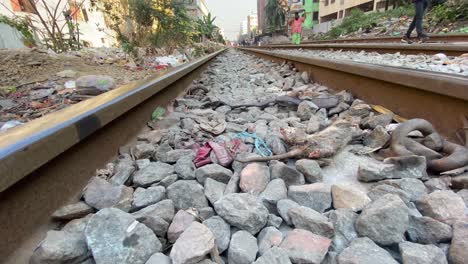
x=10, y=38
x=336, y=6
x=94, y=31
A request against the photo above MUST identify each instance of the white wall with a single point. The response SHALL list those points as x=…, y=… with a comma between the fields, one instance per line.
x=90, y=31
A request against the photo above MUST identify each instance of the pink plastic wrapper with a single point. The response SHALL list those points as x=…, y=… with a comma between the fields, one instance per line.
x=224, y=159
x=203, y=156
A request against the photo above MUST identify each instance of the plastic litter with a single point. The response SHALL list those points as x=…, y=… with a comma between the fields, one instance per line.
x=158, y=113
x=10, y=124
x=222, y=155
x=260, y=145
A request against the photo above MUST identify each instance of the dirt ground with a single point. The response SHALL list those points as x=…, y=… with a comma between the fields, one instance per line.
x=33, y=82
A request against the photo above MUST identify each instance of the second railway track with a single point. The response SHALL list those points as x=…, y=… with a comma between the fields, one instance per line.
x=46, y=163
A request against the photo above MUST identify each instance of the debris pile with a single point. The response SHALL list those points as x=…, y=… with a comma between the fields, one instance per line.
x=258, y=164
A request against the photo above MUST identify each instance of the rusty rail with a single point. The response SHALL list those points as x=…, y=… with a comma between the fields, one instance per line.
x=441, y=38
x=426, y=48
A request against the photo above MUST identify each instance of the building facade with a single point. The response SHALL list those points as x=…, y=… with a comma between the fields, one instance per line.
x=252, y=23
x=91, y=23
x=195, y=8
x=337, y=9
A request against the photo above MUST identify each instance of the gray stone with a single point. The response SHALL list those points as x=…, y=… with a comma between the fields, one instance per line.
x=233, y=184
x=413, y=187
x=464, y=195
x=308, y=219
x=60, y=247
x=182, y=220
x=243, y=211
x=275, y=191
x=274, y=255
x=290, y=176
x=159, y=258
x=213, y=171
x=283, y=207
x=94, y=84
x=342, y=106
x=377, y=138
x=155, y=223
x=114, y=236
x=458, y=253
x=153, y=136
x=316, y=196
x=166, y=182
x=243, y=248
x=214, y=190
x=380, y=190
x=413, y=253
x=315, y=123
x=442, y=205
x=154, y=172
x=141, y=163
x=267, y=238
x=377, y=120
x=100, y=194
x=305, y=247
x=306, y=109
x=254, y=178
x=73, y=211
x=174, y=155
x=384, y=221
x=305, y=77
x=143, y=150
x=205, y=212
x=311, y=170
x=161, y=152
x=364, y=251
x=122, y=172
x=438, y=184
x=185, y=168
x=193, y=245
x=187, y=194
x=163, y=209
x=274, y=220
x=348, y=196
x=143, y=197
x=221, y=231
x=276, y=144
x=393, y=168
x=343, y=221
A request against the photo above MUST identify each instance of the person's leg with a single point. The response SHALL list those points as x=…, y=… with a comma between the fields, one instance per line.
x=299, y=38
x=296, y=38
x=420, y=7
x=413, y=23
x=293, y=38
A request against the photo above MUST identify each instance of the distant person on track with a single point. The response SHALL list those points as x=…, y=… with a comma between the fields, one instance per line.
x=420, y=7
x=296, y=28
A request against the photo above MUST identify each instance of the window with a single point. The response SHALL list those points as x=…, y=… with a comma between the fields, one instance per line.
x=315, y=16
x=326, y=2
x=23, y=6
x=332, y=1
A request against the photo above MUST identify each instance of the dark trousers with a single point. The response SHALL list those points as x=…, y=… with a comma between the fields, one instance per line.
x=420, y=7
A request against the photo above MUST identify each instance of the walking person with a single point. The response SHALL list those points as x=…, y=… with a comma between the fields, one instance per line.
x=296, y=28
x=420, y=8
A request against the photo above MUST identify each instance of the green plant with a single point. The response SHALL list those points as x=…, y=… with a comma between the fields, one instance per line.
x=22, y=25
x=275, y=14
x=449, y=12
x=206, y=27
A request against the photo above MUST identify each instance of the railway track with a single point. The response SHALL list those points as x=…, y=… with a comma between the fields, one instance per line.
x=45, y=164
x=426, y=48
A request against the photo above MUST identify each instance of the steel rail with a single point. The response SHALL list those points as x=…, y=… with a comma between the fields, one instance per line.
x=425, y=48
x=438, y=97
x=443, y=38
x=26, y=148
